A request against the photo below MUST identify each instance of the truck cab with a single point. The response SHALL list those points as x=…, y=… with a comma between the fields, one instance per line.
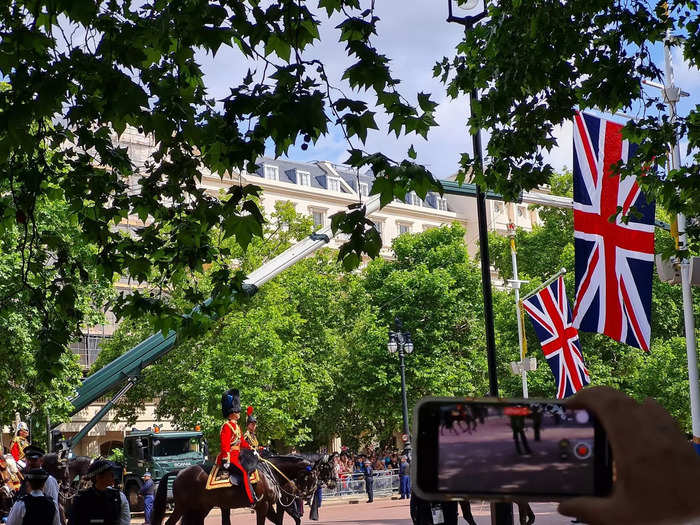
x=158, y=453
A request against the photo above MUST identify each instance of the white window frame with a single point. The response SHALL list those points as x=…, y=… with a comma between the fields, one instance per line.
x=304, y=176
x=521, y=211
x=497, y=208
x=406, y=225
x=322, y=213
x=335, y=180
x=364, y=189
x=269, y=169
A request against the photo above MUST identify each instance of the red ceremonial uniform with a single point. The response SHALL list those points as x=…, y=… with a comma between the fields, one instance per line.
x=19, y=443
x=231, y=444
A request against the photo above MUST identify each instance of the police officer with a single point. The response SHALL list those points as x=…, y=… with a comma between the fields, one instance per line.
x=100, y=504
x=369, y=482
x=35, y=458
x=147, y=490
x=35, y=508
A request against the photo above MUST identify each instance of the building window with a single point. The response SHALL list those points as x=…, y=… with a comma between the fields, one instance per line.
x=364, y=189
x=414, y=199
x=303, y=178
x=272, y=172
x=319, y=218
x=521, y=211
x=404, y=228
x=334, y=184
x=441, y=203
x=497, y=207
x=88, y=348
x=379, y=225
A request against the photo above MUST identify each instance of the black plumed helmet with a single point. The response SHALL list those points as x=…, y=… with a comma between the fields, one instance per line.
x=230, y=402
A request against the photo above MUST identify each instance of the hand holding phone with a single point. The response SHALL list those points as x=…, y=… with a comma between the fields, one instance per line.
x=657, y=471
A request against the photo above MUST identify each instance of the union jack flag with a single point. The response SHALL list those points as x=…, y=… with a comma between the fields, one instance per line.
x=614, y=260
x=550, y=314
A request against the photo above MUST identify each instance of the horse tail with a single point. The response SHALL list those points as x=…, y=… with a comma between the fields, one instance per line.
x=161, y=499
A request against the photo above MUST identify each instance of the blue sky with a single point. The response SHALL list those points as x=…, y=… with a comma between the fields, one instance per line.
x=414, y=35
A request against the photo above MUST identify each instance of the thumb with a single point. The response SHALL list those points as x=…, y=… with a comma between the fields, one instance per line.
x=590, y=510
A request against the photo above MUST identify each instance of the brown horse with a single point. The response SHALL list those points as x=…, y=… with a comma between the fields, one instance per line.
x=193, y=501
x=282, y=477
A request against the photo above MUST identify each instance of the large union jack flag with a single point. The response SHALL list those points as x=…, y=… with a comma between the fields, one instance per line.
x=551, y=316
x=614, y=260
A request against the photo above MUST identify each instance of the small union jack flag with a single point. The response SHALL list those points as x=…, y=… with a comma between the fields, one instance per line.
x=551, y=316
x=614, y=260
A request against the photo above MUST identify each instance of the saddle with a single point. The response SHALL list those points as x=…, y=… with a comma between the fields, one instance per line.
x=220, y=478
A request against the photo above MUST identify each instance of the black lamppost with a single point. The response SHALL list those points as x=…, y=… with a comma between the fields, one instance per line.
x=501, y=513
x=401, y=342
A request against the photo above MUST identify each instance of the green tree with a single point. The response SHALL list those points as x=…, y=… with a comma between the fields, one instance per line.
x=62, y=294
x=537, y=62
x=79, y=73
x=435, y=289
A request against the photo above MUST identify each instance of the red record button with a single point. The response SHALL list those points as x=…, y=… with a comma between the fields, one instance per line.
x=582, y=450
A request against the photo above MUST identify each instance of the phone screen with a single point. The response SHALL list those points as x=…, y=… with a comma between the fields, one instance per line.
x=529, y=448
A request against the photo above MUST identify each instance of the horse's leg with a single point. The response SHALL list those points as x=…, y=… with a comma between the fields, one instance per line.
x=261, y=510
x=225, y=516
x=177, y=513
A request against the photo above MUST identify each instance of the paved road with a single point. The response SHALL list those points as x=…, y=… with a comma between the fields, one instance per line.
x=487, y=459
x=386, y=512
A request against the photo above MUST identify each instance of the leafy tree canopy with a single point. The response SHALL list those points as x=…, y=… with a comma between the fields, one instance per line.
x=77, y=73
x=537, y=62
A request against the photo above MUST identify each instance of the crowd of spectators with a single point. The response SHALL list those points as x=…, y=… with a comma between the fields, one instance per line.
x=348, y=463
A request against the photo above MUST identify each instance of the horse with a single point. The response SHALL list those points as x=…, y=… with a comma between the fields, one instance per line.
x=69, y=473
x=323, y=473
x=280, y=477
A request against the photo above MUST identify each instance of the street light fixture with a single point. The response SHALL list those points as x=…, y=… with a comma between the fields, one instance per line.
x=401, y=341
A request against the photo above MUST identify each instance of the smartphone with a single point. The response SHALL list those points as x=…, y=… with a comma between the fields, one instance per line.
x=502, y=449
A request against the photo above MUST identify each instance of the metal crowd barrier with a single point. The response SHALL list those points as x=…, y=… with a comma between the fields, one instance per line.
x=385, y=483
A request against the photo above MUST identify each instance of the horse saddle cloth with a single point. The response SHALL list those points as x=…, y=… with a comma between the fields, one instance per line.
x=220, y=478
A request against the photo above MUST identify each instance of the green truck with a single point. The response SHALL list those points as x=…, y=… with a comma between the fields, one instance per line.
x=158, y=453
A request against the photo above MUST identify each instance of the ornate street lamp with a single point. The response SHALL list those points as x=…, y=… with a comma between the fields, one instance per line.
x=401, y=342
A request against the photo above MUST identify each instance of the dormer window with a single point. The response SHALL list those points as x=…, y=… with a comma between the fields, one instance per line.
x=414, y=199
x=364, y=189
x=303, y=178
x=441, y=203
x=272, y=172
x=334, y=184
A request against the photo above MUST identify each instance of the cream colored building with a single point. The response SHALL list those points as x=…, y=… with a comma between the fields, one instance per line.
x=317, y=189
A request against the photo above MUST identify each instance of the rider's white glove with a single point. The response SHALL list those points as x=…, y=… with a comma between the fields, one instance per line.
x=226, y=465
x=256, y=453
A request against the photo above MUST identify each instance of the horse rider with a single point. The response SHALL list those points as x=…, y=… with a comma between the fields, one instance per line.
x=20, y=442
x=35, y=508
x=102, y=503
x=251, y=423
x=35, y=458
x=232, y=440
